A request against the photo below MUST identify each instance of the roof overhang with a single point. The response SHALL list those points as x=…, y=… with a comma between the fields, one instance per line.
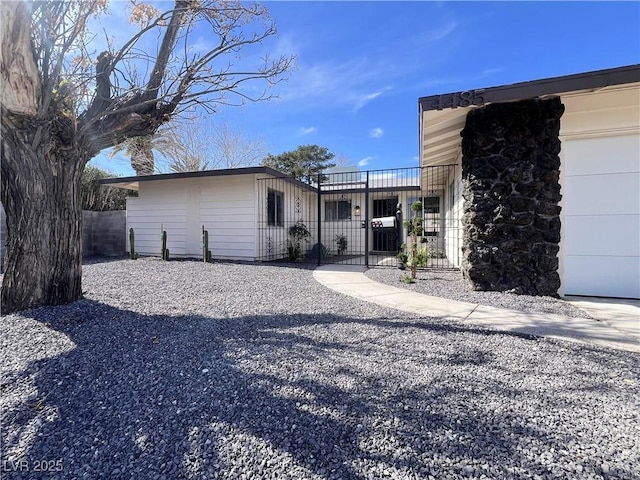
x=442, y=117
x=133, y=183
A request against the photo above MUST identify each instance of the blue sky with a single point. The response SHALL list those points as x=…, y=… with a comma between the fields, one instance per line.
x=361, y=66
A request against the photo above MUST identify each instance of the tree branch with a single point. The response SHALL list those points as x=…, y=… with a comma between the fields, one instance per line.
x=166, y=48
x=114, y=114
x=21, y=83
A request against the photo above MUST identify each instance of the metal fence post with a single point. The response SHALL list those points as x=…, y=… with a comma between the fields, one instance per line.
x=399, y=226
x=366, y=222
x=319, y=242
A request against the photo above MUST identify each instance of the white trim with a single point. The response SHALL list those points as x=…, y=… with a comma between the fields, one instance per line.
x=612, y=132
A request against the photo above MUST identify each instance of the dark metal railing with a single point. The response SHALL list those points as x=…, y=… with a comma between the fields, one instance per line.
x=330, y=219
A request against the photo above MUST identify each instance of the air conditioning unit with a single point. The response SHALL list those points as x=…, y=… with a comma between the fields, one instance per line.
x=383, y=223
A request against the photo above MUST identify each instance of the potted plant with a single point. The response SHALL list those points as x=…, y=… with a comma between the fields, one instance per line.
x=298, y=233
x=341, y=242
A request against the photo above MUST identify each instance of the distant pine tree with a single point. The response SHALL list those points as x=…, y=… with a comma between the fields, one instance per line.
x=303, y=163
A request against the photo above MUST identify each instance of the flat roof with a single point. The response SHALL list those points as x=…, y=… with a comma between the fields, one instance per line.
x=535, y=88
x=375, y=184
x=132, y=183
x=442, y=117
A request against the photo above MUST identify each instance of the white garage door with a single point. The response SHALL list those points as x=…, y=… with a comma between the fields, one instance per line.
x=601, y=225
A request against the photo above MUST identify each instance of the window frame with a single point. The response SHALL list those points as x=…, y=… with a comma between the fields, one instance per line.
x=275, y=208
x=431, y=208
x=334, y=207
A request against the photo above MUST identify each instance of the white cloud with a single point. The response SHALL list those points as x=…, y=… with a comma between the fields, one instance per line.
x=286, y=45
x=443, y=32
x=200, y=46
x=376, y=132
x=349, y=84
x=365, y=161
x=384, y=175
x=353, y=82
x=427, y=38
x=362, y=100
x=307, y=130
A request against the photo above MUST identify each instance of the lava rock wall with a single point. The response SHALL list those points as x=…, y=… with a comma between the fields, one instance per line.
x=511, y=190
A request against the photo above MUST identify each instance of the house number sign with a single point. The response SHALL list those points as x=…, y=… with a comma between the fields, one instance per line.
x=458, y=99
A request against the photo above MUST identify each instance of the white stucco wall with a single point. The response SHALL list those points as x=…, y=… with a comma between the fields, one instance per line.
x=351, y=229
x=453, y=217
x=299, y=205
x=227, y=211
x=225, y=206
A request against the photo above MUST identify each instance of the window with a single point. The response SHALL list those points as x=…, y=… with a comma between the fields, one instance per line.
x=430, y=214
x=452, y=204
x=275, y=208
x=452, y=196
x=431, y=204
x=337, y=210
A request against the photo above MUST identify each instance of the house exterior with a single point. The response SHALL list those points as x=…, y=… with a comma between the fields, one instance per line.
x=249, y=212
x=224, y=202
x=546, y=189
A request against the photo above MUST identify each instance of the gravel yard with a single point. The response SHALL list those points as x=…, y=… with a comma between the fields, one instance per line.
x=450, y=284
x=186, y=370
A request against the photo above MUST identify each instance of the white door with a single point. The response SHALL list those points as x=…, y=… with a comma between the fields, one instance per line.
x=601, y=216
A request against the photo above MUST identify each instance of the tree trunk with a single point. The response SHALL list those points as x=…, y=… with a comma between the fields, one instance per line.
x=143, y=162
x=18, y=73
x=40, y=194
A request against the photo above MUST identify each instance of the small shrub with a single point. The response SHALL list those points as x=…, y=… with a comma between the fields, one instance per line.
x=403, y=258
x=406, y=278
x=298, y=234
x=100, y=198
x=421, y=258
x=341, y=243
x=416, y=256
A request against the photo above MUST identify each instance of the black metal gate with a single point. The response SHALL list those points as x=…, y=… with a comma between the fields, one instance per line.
x=386, y=239
x=356, y=217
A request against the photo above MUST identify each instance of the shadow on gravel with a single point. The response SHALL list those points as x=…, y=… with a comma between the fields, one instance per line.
x=195, y=397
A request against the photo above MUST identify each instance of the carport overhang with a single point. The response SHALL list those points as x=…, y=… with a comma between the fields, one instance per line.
x=442, y=117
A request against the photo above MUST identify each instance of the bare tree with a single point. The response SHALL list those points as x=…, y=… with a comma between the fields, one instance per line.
x=344, y=161
x=233, y=148
x=61, y=105
x=188, y=145
x=189, y=149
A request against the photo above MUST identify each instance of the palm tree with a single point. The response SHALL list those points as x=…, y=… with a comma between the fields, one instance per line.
x=188, y=147
x=182, y=144
x=140, y=150
x=169, y=141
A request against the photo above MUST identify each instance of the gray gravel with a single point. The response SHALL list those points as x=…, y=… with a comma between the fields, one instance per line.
x=451, y=284
x=187, y=370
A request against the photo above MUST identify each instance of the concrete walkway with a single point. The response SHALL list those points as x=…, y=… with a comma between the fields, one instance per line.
x=616, y=324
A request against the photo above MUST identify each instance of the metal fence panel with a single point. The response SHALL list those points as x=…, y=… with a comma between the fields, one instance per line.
x=357, y=217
